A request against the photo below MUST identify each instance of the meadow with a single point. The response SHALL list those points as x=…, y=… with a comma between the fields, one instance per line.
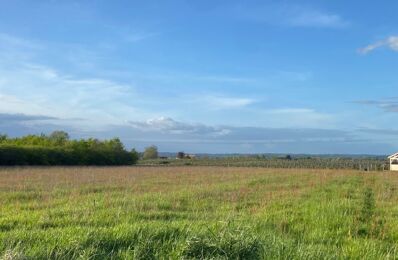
x=197, y=213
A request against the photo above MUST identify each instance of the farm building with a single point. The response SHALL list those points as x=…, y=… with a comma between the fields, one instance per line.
x=393, y=162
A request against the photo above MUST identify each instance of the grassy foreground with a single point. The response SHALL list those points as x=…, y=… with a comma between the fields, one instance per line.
x=197, y=213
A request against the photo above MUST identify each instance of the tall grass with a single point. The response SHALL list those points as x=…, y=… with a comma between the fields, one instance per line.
x=196, y=213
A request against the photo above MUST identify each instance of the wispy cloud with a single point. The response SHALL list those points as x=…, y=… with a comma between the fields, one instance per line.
x=6, y=118
x=316, y=18
x=224, y=102
x=171, y=126
x=225, y=79
x=291, y=111
x=13, y=48
x=380, y=131
x=43, y=90
x=299, y=117
x=24, y=124
x=220, y=78
x=27, y=86
x=10, y=41
x=173, y=135
x=138, y=36
x=387, y=104
x=291, y=15
x=168, y=126
x=268, y=76
x=391, y=43
x=294, y=75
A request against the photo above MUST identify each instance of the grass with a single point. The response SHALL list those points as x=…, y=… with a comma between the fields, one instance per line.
x=197, y=213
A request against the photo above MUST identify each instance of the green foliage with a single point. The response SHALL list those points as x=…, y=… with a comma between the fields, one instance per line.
x=57, y=149
x=150, y=152
x=135, y=156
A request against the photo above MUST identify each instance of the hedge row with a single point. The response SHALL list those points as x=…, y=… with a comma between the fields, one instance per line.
x=37, y=155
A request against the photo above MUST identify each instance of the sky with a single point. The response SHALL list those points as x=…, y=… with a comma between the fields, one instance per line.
x=206, y=76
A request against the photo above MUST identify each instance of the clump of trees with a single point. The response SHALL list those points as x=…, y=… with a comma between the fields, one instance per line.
x=58, y=149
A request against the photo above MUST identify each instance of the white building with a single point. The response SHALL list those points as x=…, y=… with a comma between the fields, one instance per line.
x=393, y=162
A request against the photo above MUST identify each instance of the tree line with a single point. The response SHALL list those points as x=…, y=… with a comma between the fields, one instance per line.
x=58, y=149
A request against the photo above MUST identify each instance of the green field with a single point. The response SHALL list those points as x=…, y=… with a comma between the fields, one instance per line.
x=197, y=213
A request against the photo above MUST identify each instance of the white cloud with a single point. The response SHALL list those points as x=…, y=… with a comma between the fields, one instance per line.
x=391, y=43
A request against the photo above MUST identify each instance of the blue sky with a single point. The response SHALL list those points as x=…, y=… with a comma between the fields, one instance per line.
x=204, y=76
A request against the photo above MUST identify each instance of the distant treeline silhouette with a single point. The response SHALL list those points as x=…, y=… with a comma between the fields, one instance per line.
x=58, y=149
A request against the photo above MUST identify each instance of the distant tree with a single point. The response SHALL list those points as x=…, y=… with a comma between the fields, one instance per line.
x=59, y=137
x=150, y=152
x=115, y=144
x=180, y=155
x=288, y=157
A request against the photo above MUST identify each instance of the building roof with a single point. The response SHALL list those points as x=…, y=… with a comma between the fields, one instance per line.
x=395, y=155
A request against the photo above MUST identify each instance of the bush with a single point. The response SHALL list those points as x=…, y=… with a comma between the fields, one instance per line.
x=18, y=155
